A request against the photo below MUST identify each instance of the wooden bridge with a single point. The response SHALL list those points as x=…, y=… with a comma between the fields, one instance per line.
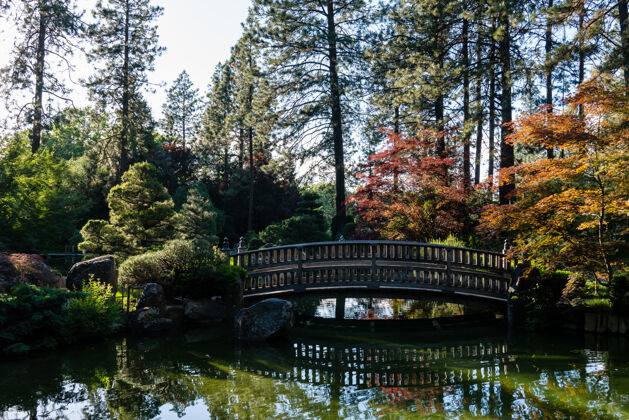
x=398, y=267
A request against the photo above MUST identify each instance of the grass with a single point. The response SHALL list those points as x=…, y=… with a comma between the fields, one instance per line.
x=596, y=304
x=121, y=296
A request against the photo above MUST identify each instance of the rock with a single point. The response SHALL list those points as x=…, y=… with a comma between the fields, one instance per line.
x=267, y=319
x=205, y=310
x=153, y=296
x=159, y=324
x=174, y=312
x=8, y=274
x=26, y=268
x=147, y=314
x=102, y=269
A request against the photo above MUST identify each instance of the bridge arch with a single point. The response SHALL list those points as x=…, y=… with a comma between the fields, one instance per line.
x=404, y=267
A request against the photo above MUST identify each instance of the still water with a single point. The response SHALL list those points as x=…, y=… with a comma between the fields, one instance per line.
x=324, y=373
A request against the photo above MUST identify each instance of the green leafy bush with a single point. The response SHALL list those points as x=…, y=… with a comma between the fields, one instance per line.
x=451, y=240
x=619, y=293
x=207, y=281
x=93, y=312
x=33, y=318
x=596, y=305
x=142, y=269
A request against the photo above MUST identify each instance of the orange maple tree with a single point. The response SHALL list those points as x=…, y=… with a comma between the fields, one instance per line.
x=571, y=211
x=407, y=193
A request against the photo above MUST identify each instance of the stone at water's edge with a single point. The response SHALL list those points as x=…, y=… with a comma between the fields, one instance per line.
x=267, y=319
x=101, y=269
x=205, y=311
x=152, y=296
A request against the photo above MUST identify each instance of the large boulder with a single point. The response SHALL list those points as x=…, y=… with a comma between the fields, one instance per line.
x=101, y=269
x=153, y=295
x=26, y=268
x=205, y=311
x=159, y=325
x=267, y=319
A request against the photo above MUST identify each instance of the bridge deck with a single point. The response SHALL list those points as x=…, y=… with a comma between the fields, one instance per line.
x=402, y=266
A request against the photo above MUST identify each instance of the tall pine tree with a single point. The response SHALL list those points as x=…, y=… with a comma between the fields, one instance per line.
x=124, y=48
x=181, y=110
x=47, y=31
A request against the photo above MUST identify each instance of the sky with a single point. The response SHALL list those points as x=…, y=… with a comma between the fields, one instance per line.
x=197, y=34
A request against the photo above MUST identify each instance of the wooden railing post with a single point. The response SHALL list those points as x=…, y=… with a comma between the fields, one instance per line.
x=299, y=264
x=449, y=280
x=373, y=262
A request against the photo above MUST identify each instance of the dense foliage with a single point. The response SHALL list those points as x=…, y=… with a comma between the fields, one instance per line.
x=140, y=216
x=572, y=210
x=33, y=318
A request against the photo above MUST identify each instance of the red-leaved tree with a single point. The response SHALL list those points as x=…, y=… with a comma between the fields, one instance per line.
x=408, y=193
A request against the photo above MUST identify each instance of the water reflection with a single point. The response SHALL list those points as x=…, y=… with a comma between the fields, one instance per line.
x=385, y=308
x=203, y=373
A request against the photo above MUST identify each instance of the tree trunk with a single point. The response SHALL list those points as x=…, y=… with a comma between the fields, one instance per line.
x=479, y=104
x=581, y=73
x=241, y=147
x=251, y=181
x=337, y=129
x=183, y=123
x=622, y=17
x=39, y=80
x=396, y=132
x=466, y=107
x=126, y=93
x=492, y=105
x=550, y=153
x=506, y=150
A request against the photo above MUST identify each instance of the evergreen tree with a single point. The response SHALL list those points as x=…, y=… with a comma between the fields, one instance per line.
x=307, y=225
x=254, y=117
x=140, y=216
x=124, y=49
x=47, y=29
x=216, y=136
x=313, y=49
x=181, y=110
x=198, y=220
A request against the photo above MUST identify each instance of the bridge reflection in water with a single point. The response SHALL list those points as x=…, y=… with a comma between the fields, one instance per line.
x=203, y=374
x=377, y=366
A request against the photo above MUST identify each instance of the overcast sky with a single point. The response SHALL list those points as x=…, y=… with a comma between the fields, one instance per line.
x=197, y=35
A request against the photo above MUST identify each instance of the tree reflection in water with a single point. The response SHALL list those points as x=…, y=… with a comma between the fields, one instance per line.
x=205, y=372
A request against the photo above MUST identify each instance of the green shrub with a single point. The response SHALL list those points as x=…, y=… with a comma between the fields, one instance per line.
x=207, y=281
x=576, y=287
x=142, y=269
x=451, y=240
x=619, y=293
x=93, y=312
x=596, y=304
x=31, y=318
x=553, y=284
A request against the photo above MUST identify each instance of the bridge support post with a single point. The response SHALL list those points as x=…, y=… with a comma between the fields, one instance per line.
x=339, y=313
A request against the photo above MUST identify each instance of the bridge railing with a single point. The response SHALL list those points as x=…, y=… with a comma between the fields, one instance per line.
x=373, y=264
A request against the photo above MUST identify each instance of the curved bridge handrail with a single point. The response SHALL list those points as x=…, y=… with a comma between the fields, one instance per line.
x=370, y=242
x=375, y=264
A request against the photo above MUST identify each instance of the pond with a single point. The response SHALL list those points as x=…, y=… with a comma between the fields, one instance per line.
x=331, y=372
